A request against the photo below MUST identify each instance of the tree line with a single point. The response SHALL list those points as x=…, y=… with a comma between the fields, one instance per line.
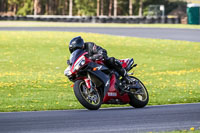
x=83, y=7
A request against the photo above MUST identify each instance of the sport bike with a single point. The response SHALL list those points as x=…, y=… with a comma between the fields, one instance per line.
x=96, y=84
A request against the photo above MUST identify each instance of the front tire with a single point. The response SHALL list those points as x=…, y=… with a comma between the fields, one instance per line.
x=91, y=101
x=141, y=99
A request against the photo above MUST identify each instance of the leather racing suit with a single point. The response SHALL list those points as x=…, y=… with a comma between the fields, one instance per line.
x=97, y=52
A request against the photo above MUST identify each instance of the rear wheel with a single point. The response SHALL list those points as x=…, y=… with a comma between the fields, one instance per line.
x=138, y=97
x=90, y=99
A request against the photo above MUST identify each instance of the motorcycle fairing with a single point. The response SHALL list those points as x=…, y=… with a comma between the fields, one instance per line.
x=98, y=77
x=75, y=55
x=101, y=77
x=112, y=94
x=76, y=58
x=97, y=66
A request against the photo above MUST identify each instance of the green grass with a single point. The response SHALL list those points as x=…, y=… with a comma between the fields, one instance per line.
x=191, y=130
x=184, y=131
x=32, y=65
x=63, y=24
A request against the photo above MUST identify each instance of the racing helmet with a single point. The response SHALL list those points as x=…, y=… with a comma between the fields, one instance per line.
x=76, y=43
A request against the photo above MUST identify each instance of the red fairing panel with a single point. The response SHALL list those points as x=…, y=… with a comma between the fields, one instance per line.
x=113, y=93
x=100, y=62
x=112, y=83
x=87, y=61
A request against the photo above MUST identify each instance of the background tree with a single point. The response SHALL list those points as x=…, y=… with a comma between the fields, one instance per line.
x=65, y=7
x=140, y=7
x=98, y=7
x=110, y=7
x=25, y=7
x=47, y=7
x=36, y=3
x=102, y=7
x=115, y=8
x=13, y=5
x=130, y=8
x=86, y=7
x=4, y=6
x=70, y=7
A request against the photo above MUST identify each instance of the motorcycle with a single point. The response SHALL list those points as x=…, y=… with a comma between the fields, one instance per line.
x=96, y=84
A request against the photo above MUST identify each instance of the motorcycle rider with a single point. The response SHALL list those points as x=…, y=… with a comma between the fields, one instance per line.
x=97, y=53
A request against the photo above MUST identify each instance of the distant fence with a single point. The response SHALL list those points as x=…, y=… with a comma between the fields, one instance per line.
x=94, y=19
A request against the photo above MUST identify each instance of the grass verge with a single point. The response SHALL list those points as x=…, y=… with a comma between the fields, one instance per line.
x=63, y=24
x=32, y=65
x=191, y=130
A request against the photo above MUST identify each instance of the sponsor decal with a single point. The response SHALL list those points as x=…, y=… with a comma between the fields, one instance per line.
x=99, y=67
x=112, y=94
x=107, y=83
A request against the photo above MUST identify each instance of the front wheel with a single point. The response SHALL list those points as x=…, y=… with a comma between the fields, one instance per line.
x=138, y=98
x=89, y=99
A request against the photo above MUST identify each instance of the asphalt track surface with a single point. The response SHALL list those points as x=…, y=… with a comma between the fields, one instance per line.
x=112, y=120
x=156, y=33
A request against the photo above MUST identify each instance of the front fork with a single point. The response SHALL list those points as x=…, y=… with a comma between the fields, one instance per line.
x=89, y=84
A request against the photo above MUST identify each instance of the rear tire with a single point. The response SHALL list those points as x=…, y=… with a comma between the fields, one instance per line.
x=137, y=100
x=82, y=94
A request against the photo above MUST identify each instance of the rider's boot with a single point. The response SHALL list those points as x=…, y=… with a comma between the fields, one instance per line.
x=118, y=67
x=129, y=81
x=125, y=76
x=122, y=72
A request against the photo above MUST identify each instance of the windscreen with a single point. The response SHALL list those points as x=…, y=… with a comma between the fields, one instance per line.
x=74, y=56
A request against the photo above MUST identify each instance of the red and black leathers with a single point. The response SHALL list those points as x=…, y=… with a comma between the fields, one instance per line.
x=97, y=52
x=94, y=51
